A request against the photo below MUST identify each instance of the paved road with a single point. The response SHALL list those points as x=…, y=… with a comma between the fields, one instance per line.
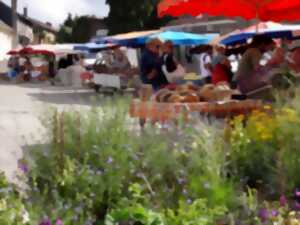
x=20, y=109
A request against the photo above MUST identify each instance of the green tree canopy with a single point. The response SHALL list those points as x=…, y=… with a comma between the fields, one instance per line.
x=79, y=29
x=133, y=15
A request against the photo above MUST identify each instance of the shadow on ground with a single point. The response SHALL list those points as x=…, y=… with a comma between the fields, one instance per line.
x=68, y=98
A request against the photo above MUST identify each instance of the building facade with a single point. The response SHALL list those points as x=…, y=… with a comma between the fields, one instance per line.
x=29, y=30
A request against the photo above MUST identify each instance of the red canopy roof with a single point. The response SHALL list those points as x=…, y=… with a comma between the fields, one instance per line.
x=265, y=10
x=30, y=51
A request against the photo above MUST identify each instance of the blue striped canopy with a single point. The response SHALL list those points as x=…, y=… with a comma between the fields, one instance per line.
x=138, y=39
x=273, y=30
x=183, y=38
x=92, y=47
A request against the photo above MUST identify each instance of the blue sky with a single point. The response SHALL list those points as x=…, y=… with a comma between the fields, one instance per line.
x=55, y=11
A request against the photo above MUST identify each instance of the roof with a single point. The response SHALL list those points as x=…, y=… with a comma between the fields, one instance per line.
x=36, y=23
x=6, y=17
x=5, y=14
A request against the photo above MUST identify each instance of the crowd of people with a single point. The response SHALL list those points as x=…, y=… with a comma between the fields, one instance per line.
x=262, y=63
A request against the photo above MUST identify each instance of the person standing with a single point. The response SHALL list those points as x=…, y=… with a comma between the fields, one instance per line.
x=218, y=56
x=205, y=63
x=249, y=74
x=171, y=68
x=222, y=71
x=151, y=65
x=250, y=62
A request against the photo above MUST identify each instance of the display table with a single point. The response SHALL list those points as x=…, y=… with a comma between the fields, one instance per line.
x=107, y=80
x=155, y=111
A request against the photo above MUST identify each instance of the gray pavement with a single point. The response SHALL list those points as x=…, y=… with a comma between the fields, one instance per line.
x=21, y=106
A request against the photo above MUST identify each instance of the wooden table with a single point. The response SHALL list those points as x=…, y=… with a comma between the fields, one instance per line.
x=162, y=112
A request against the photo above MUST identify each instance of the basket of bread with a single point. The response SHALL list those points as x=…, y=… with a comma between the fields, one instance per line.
x=213, y=93
x=181, y=94
x=190, y=93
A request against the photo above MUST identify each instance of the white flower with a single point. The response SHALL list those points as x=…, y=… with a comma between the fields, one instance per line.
x=25, y=217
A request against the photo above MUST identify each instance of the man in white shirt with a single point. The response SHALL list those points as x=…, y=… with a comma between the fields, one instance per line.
x=205, y=62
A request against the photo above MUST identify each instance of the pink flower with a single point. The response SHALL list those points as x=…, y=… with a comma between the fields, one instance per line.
x=283, y=201
x=46, y=222
x=297, y=205
x=59, y=222
x=263, y=215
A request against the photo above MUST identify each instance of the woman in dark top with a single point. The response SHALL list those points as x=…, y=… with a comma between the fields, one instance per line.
x=151, y=63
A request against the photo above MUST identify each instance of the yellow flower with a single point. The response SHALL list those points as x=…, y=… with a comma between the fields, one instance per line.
x=290, y=114
x=261, y=126
x=3, y=205
x=267, y=107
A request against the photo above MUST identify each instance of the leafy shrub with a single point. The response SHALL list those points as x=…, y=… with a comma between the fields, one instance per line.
x=95, y=155
x=12, y=209
x=196, y=213
x=264, y=149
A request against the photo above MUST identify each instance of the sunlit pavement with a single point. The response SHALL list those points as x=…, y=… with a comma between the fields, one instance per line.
x=21, y=107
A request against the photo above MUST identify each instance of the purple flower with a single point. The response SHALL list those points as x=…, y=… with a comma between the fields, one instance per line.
x=189, y=201
x=274, y=213
x=297, y=206
x=59, y=222
x=110, y=160
x=263, y=214
x=297, y=193
x=181, y=181
x=283, y=201
x=46, y=222
x=23, y=167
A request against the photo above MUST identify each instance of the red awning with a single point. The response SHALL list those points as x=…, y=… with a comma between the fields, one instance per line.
x=13, y=52
x=265, y=10
x=30, y=51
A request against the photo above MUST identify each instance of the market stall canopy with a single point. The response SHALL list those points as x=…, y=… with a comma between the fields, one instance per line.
x=45, y=49
x=183, y=38
x=30, y=51
x=93, y=47
x=137, y=39
x=127, y=39
x=271, y=29
x=264, y=10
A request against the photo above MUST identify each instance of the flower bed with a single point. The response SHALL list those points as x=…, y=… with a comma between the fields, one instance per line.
x=99, y=170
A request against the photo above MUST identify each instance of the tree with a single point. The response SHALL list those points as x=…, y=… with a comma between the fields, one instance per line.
x=132, y=15
x=64, y=34
x=79, y=29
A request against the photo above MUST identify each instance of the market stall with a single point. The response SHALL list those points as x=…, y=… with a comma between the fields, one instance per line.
x=107, y=69
x=41, y=62
x=139, y=39
x=173, y=103
x=270, y=29
x=264, y=10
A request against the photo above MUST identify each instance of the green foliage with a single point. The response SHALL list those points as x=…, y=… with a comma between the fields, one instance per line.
x=196, y=213
x=98, y=168
x=126, y=16
x=79, y=29
x=264, y=149
x=133, y=210
x=90, y=172
x=253, y=152
x=12, y=210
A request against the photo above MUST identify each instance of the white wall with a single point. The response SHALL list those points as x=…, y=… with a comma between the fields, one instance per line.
x=25, y=30
x=5, y=45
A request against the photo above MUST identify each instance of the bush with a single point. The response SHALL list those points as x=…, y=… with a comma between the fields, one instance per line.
x=12, y=209
x=99, y=168
x=264, y=149
x=95, y=156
